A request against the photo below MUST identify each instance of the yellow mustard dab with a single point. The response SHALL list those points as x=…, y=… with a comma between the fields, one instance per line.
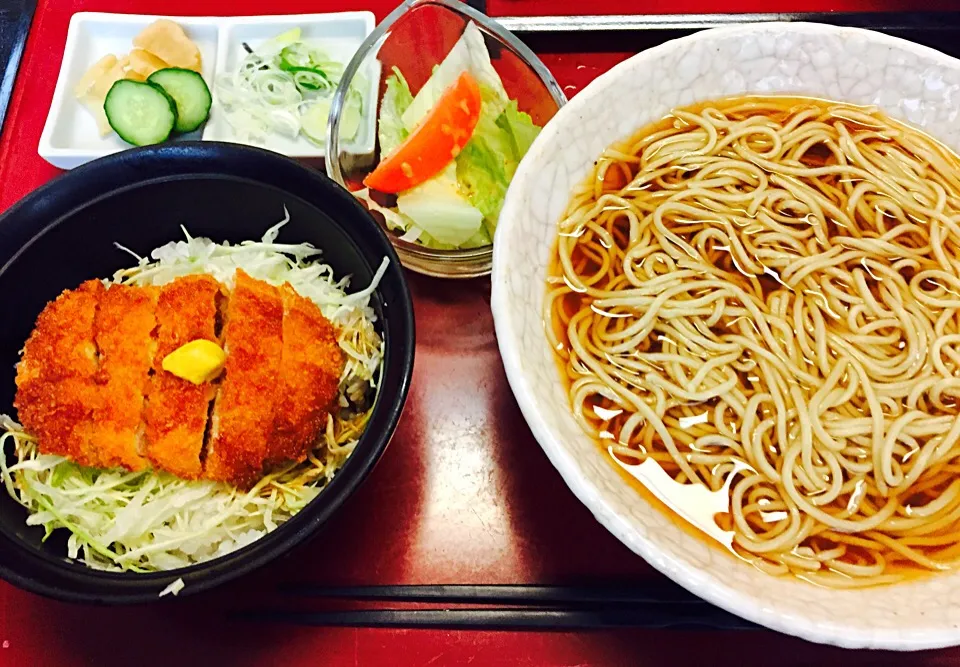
x=198, y=361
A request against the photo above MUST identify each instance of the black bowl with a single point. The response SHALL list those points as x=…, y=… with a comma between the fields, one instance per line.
x=65, y=233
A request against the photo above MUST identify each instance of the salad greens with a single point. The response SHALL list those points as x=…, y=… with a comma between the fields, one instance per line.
x=285, y=87
x=469, y=54
x=438, y=207
x=396, y=99
x=458, y=207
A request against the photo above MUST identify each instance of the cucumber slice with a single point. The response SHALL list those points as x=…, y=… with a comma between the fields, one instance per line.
x=189, y=91
x=141, y=113
x=313, y=121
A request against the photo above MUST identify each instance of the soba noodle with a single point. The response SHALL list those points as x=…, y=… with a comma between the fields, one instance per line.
x=770, y=288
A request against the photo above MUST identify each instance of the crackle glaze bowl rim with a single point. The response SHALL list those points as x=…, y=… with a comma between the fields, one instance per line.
x=838, y=617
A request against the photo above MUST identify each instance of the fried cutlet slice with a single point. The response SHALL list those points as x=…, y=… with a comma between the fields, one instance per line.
x=123, y=331
x=56, y=377
x=310, y=369
x=175, y=416
x=244, y=410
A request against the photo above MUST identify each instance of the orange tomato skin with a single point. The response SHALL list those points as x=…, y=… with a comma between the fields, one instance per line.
x=434, y=143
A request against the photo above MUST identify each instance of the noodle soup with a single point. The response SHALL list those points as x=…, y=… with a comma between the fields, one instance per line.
x=756, y=302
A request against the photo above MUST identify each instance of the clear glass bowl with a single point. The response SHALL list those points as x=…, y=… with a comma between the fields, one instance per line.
x=414, y=38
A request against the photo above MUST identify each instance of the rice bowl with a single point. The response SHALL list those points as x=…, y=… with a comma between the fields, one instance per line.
x=147, y=521
x=67, y=232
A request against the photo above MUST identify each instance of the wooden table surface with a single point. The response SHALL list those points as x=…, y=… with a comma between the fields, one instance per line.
x=463, y=494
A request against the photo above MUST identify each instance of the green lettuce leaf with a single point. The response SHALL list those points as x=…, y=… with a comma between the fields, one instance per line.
x=488, y=161
x=521, y=129
x=482, y=167
x=396, y=99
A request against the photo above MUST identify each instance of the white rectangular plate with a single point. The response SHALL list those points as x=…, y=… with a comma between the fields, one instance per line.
x=70, y=136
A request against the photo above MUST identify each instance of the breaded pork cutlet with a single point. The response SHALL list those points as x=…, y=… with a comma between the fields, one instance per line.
x=244, y=410
x=56, y=376
x=310, y=369
x=176, y=412
x=92, y=384
x=123, y=332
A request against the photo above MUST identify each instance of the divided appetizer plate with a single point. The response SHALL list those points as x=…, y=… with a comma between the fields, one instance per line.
x=70, y=136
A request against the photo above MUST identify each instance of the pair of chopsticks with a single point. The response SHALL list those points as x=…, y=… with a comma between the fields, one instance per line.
x=506, y=607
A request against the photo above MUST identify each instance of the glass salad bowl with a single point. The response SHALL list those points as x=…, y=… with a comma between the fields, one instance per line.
x=459, y=101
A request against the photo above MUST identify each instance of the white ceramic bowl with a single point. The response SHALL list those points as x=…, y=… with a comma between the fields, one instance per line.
x=907, y=81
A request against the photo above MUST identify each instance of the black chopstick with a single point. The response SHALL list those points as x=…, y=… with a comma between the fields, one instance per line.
x=923, y=20
x=15, y=18
x=505, y=619
x=507, y=594
x=516, y=607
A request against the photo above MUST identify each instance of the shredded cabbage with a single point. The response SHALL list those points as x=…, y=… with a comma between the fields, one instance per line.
x=174, y=588
x=148, y=521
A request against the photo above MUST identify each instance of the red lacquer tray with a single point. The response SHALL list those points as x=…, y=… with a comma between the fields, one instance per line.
x=463, y=495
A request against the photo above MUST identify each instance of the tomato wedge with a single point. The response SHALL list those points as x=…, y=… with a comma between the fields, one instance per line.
x=437, y=140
